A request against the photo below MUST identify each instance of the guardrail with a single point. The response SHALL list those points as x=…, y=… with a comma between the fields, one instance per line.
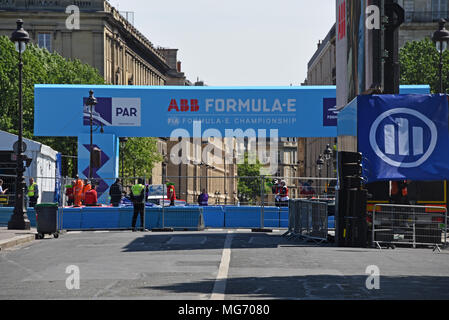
x=409, y=225
x=308, y=220
x=177, y=218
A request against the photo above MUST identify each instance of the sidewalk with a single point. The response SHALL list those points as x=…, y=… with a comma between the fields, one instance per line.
x=11, y=238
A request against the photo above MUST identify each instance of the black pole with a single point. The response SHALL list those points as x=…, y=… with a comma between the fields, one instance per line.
x=394, y=14
x=91, y=101
x=319, y=186
x=440, y=69
x=122, y=161
x=441, y=39
x=19, y=219
x=91, y=143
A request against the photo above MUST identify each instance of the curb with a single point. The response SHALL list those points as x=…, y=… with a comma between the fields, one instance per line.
x=9, y=243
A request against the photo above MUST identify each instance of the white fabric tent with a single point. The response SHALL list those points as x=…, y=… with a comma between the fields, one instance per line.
x=43, y=166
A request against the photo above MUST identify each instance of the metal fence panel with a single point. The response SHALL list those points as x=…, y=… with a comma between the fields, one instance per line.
x=409, y=225
x=308, y=219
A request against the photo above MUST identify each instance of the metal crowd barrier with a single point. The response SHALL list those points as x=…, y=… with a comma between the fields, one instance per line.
x=307, y=220
x=409, y=225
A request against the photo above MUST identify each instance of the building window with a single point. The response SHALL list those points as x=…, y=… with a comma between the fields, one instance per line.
x=44, y=41
x=439, y=9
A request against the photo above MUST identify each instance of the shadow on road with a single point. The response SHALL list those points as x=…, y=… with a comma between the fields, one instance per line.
x=207, y=240
x=322, y=287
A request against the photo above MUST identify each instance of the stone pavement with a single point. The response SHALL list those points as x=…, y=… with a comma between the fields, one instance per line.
x=11, y=238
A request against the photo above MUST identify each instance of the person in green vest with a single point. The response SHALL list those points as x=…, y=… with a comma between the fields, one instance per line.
x=33, y=193
x=138, y=199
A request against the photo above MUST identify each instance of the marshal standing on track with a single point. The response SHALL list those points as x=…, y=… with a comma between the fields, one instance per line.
x=33, y=193
x=138, y=199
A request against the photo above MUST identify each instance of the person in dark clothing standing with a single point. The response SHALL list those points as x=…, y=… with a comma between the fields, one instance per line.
x=70, y=193
x=203, y=198
x=138, y=199
x=116, y=192
x=399, y=192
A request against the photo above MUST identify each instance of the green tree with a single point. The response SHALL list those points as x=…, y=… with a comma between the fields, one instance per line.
x=139, y=157
x=249, y=181
x=419, y=62
x=39, y=67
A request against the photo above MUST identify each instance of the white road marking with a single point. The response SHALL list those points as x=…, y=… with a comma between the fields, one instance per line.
x=218, y=292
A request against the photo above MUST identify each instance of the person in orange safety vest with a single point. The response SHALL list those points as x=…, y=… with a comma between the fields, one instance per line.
x=78, y=191
x=87, y=187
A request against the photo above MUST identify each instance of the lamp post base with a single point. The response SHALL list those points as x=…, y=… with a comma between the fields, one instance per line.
x=19, y=222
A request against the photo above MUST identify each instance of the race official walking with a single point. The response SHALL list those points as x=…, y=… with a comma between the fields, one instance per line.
x=138, y=199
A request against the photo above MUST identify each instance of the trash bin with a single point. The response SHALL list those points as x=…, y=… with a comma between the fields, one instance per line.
x=46, y=219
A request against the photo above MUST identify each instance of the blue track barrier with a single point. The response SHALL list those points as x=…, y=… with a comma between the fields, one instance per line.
x=71, y=218
x=182, y=218
x=214, y=216
x=271, y=217
x=5, y=215
x=283, y=217
x=125, y=216
x=31, y=213
x=242, y=217
x=99, y=218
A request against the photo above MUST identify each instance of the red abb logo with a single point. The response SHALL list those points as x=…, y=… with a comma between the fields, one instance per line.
x=184, y=105
x=342, y=20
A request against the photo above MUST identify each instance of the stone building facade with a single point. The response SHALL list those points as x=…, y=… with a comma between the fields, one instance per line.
x=104, y=40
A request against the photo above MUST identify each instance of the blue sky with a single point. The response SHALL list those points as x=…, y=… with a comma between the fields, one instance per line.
x=236, y=42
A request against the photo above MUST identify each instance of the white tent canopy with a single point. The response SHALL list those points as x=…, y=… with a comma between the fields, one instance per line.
x=43, y=166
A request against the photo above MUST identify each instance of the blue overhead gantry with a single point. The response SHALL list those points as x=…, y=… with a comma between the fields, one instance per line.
x=170, y=111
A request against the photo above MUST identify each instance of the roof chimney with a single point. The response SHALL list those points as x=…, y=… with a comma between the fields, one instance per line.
x=178, y=66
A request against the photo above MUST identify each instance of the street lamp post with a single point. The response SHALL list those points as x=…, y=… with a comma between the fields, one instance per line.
x=19, y=219
x=91, y=101
x=327, y=157
x=319, y=164
x=207, y=180
x=441, y=39
x=123, y=141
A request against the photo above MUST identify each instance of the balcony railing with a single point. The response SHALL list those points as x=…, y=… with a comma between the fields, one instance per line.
x=425, y=16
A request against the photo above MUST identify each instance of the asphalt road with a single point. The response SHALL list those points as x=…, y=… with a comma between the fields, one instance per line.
x=214, y=264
